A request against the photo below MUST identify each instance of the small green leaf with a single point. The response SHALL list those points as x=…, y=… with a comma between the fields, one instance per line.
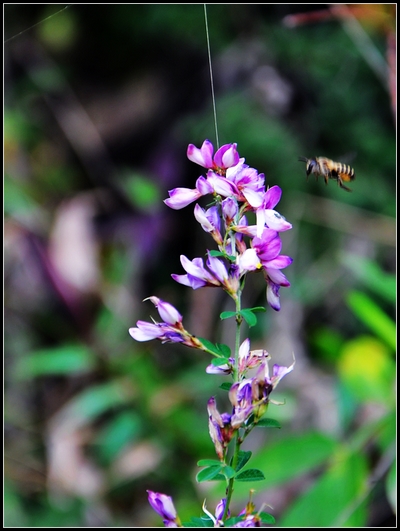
x=208, y=462
x=226, y=386
x=199, y=522
x=220, y=361
x=224, y=349
x=268, y=423
x=256, y=309
x=230, y=522
x=216, y=253
x=243, y=458
x=249, y=317
x=210, y=347
x=227, y=315
x=267, y=518
x=229, y=472
x=251, y=474
x=208, y=473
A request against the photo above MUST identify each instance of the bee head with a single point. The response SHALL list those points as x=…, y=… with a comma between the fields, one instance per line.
x=310, y=163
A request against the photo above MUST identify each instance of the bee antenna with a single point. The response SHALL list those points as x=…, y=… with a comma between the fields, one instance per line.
x=303, y=159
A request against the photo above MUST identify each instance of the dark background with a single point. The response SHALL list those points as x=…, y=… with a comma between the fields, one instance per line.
x=100, y=103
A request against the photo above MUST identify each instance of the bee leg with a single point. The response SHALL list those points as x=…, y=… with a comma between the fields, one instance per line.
x=340, y=183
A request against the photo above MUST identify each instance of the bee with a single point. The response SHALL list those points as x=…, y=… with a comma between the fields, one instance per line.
x=329, y=170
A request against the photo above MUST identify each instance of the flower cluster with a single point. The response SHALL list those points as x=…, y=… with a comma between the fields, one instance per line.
x=237, y=192
x=249, y=398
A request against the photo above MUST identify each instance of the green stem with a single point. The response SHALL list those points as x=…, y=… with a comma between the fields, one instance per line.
x=229, y=490
x=237, y=338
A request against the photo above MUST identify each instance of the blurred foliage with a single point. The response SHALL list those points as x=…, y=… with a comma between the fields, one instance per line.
x=100, y=103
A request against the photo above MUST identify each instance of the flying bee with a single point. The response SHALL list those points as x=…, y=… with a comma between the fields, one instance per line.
x=329, y=170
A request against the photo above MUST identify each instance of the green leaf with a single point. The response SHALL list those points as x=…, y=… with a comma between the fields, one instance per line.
x=216, y=253
x=251, y=474
x=67, y=359
x=199, y=522
x=268, y=423
x=229, y=472
x=224, y=349
x=121, y=430
x=143, y=191
x=226, y=386
x=293, y=456
x=243, y=458
x=336, y=497
x=227, y=315
x=372, y=315
x=209, y=462
x=96, y=400
x=267, y=518
x=220, y=361
x=249, y=317
x=230, y=522
x=391, y=486
x=256, y=309
x=369, y=272
x=213, y=349
x=208, y=473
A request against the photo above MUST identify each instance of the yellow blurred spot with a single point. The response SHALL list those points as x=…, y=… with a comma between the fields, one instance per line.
x=366, y=367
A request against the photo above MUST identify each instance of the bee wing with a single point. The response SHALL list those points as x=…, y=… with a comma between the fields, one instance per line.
x=347, y=158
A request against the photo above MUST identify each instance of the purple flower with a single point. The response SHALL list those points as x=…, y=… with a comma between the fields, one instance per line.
x=249, y=359
x=166, y=311
x=268, y=247
x=170, y=331
x=181, y=197
x=241, y=397
x=163, y=505
x=225, y=157
x=209, y=221
x=216, y=275
x=251, y=520
x=219, y=425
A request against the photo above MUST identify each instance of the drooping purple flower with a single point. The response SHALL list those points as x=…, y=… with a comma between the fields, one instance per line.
x=221, y=431
x=164, y=506
x=241, y=398
x=170, y=331
x=209, y=221
x=198, y=276
x=167, y=312
x=230, y=210
x=268, y=247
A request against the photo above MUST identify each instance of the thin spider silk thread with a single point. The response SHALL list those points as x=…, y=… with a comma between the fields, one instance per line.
x=211, y=76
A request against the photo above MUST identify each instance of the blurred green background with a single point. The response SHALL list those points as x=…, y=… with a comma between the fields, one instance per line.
x=100, y=103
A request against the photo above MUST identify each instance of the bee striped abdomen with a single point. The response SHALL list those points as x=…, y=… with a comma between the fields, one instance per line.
x=345, y=172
